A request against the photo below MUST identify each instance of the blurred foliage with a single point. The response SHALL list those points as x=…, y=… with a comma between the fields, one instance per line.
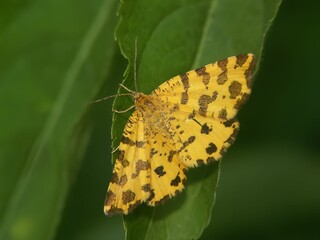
x=55, y=56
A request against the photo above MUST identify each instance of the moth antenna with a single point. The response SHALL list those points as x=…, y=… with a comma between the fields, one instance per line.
x=111, y=96
x=135, y=63
x=129, y=90
x=134, y=69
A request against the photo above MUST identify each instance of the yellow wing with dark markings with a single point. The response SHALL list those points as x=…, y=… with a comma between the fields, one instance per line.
x=187, y=121
x=201, y=140
x=131, y=174
x=147, y=168
x=203, y=104
x=216, y=90
x=167, y=172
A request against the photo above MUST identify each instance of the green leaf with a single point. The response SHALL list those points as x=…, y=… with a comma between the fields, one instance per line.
x=54, y=58
x=174, y=37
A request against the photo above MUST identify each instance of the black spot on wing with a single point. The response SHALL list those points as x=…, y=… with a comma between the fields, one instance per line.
x=204, y=101
x=175, y=182
x=241, y=59
x=128, y=196
x=205, y=129
x=212, y=148
x=235, y=89
x=160, y=171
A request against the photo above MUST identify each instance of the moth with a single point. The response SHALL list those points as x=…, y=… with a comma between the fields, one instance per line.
x=188, y=121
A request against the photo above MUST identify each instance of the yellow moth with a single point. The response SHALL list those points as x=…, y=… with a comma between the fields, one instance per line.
x=186, y=122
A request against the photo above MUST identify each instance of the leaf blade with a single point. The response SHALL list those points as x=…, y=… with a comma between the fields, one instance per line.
x=167, y=47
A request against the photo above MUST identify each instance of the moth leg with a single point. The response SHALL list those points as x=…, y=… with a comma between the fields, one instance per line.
x=114, y=150
x=123, y=111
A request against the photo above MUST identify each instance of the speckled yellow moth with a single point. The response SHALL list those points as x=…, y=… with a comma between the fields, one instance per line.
x=186, y=122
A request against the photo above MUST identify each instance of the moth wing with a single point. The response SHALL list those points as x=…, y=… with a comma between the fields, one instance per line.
x=216, y=90
x=167, y=172
x=201, y=140
x=131, y=174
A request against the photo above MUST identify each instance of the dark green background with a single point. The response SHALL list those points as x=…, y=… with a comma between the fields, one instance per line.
x=270, y=181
